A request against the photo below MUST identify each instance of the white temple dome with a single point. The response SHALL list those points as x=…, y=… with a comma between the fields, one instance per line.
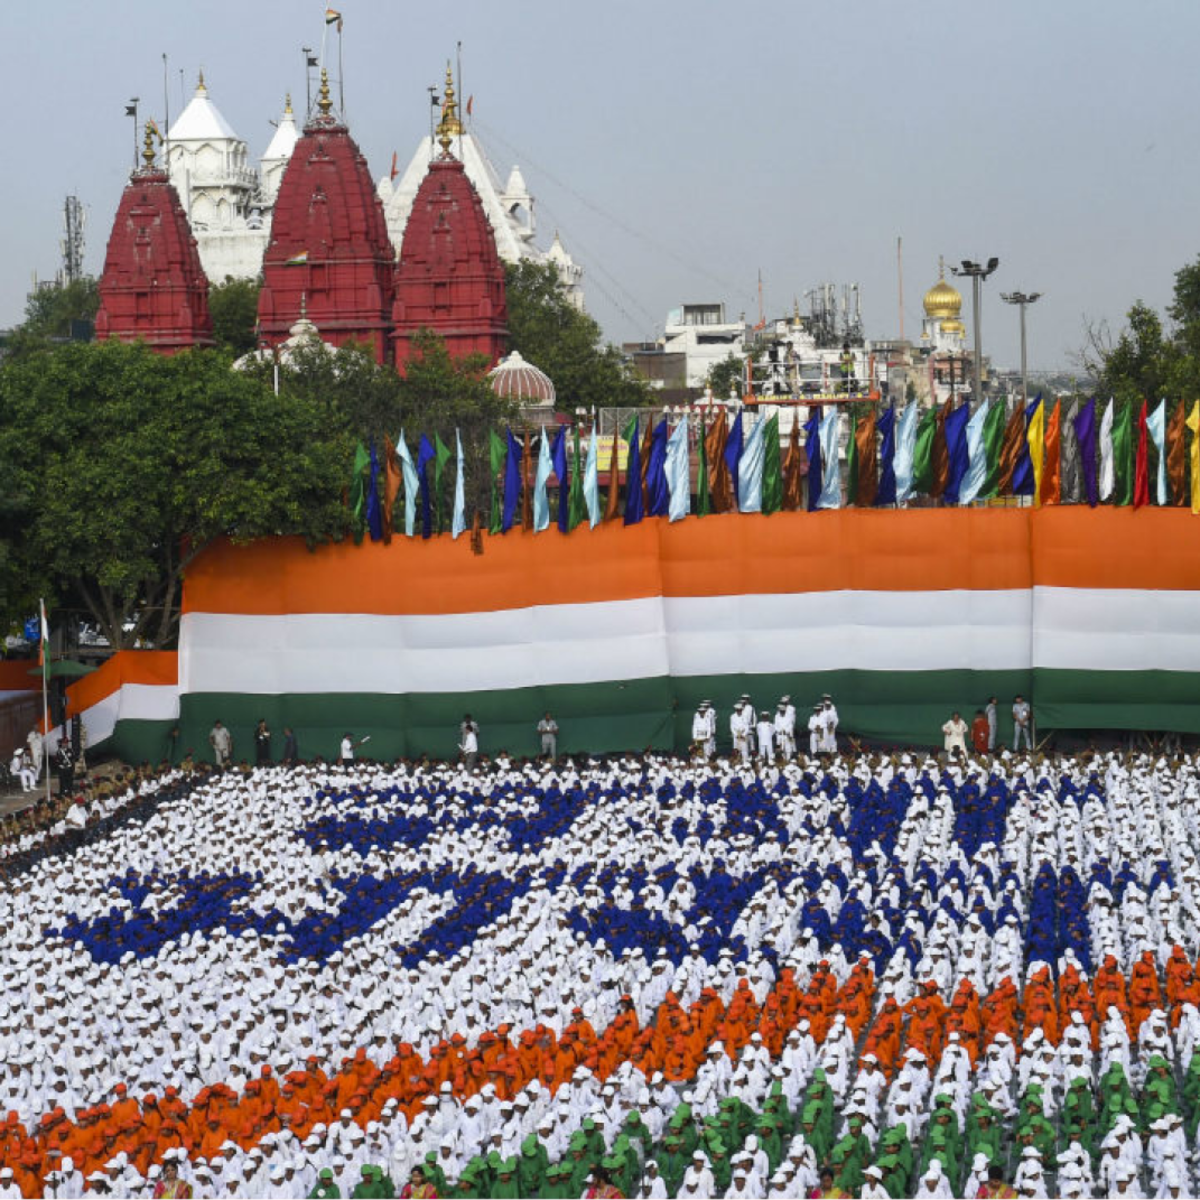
x=515, y=379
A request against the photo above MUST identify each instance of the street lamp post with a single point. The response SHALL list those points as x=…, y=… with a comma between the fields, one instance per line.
x=978, y=273
x=1023, y=301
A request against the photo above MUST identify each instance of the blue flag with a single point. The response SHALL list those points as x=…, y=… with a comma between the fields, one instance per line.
x=512, y=483
x=906, y=444
x=374, y=508
x=733, y=455
x=541, y=501
x=558, y=455
x=657, y=492
x=1022, y=482
x=831, y=473
x=977, y=460
x=425, y=455
x=633, y=479
x=956, y=450
x=812, y=447
x=1085, y=435
x=886, y=428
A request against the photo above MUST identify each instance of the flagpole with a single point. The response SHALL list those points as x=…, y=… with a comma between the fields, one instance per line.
x=45, y=630
x=341, y=74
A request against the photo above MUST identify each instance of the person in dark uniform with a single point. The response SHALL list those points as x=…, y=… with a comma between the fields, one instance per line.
x=262, y=743
x=64, y=764
x=291, y=752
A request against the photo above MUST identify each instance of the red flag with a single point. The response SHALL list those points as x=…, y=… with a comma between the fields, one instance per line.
x=470, y=103
x=1141, y=470
x=395, y=170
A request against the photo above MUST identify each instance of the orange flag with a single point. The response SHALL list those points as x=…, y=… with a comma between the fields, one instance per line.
x=868, y=469
x=1052, y=458
x=1176, y=450
x=720, y=491
x=1011, y=449
x=391, y=486
x=614, y=479
x=793, y=470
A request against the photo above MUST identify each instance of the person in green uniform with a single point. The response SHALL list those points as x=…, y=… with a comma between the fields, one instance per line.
x=719, y=1164
x=506, y=1186
x=532, y=1166
x=681, y=1122
x=434, y=1172
x=673, y=1161
x=325, y=1189
x=579, y=1161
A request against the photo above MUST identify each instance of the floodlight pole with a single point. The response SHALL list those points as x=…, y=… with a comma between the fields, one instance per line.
x=1023, y=300
x=978, y=273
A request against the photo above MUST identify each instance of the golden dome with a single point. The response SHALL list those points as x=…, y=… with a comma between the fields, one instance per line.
x=942, y=301
x=954, y=325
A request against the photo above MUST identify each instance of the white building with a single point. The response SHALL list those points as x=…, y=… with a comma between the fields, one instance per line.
x=228, y=199
x=702, y=335
x=509, y=207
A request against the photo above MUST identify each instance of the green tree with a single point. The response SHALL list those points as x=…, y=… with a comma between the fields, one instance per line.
x=567, y=344
x=53, y=314
x=234, y=308
x=727, y=377
x=129, y=463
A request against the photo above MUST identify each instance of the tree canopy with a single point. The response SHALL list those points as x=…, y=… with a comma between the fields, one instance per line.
x=234, y=309
x=123, y=465
x=567, y=344
x=55, y=313
x=1151, y=358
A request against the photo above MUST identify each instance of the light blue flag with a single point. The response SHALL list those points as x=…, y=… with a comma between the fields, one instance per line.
x=831, y=471
x=679, y=482
x=591, y=480
x=411, y=491
x=750, y=469
x=976, y=455
x=459, y=521
x=906, y=445
x=1156, y=427
x=541, y=502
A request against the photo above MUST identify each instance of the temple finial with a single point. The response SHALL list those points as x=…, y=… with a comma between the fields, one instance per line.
x=449, y=127
x=324, y=103
x=148, y=147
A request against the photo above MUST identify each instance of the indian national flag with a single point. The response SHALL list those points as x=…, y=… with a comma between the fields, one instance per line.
x=333, y=17
x=297, y=260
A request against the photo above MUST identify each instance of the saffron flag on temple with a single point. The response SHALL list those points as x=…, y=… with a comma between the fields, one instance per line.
x=772, y=473
x=675, y=470
x=885, y=493
x=1085, y=437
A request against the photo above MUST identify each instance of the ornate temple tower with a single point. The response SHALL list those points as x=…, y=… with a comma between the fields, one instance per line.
x=449, y=278
x=329, y=248
x=153, y=287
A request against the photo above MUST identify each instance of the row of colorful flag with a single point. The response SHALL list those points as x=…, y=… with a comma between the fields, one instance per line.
x=1063, y=453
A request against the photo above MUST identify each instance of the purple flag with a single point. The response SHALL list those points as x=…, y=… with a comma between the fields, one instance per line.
x=1085, y=435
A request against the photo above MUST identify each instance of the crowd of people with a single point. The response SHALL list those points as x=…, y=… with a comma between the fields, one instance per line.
x=868, y=975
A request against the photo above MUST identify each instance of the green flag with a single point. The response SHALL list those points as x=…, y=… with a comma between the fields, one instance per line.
x=922, y=483
x=358, y=489
x=497, y=449
x=576, y=509
x=852, y=463
x=772, y=476
x=993, y=440
x=1122, y=437
x=441, y=456
x=703, y=498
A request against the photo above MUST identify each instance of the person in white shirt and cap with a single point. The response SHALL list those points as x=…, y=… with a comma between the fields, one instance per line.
x=785, y=728
x=698, y=1179
x=10, y=1191
x=700, y=730
x=873, y=1189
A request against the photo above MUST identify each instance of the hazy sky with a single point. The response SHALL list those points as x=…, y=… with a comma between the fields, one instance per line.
x=680, y=147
